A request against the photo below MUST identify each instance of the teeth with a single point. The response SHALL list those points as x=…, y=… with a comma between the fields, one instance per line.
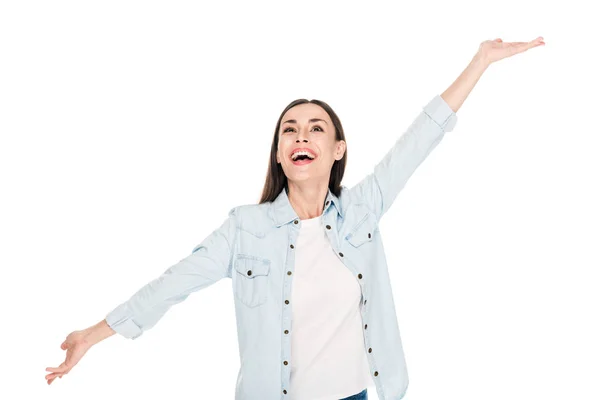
x=298, y=153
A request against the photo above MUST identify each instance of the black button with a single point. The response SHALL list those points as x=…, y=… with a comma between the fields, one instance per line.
x=359, y=276
x=370, y=349
x=249, y=272
x=284, y=391
x=328, y=226
x=327, y=203
x=286, y=331
x=292, y=246
x=341, y=254
x=290, y=272
x=369, y=236
x=295, y=221
x=365, y=326
x=376, y=373
x=287, y=302
x=365, y=301
x=285, y=363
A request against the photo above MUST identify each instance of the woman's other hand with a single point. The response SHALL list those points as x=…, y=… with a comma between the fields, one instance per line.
x=494, y=50
x=76, y=346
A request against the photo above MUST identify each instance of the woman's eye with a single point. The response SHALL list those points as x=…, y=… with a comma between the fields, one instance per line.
x=287, y=129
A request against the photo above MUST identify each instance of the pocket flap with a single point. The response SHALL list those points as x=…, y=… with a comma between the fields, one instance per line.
x=251, y=266
x=363, y=231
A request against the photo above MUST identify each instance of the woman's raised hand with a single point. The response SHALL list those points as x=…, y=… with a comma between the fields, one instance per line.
x=494, y=50
x=76, y=346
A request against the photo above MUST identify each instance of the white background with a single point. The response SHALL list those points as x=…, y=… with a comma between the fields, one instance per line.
x=129, y=129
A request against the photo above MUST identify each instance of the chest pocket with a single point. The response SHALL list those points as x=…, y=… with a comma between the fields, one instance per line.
x=252, y=278
x=363, y=231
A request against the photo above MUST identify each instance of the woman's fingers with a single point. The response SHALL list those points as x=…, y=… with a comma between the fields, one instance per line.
x=51, y=377
x=519, y=47
x=57, y=372
x=535, y=42
x=61, y=368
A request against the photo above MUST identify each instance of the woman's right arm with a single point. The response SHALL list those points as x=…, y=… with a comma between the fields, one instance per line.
x=209, y=262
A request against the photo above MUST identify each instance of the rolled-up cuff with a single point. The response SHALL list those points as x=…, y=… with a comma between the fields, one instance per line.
x=121, y=322
x=439, y=111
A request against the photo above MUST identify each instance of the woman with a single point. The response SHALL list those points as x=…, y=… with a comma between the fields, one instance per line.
x=310, y=252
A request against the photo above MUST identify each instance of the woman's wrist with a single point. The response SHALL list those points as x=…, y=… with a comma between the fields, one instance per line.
x=96, y=333
x=481, y=60
x=460, y=89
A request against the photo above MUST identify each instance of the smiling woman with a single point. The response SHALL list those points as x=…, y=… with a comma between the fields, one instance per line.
x=315, y=313
x=312, y=127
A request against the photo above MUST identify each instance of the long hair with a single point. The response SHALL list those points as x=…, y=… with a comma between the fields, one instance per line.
x=276, y=180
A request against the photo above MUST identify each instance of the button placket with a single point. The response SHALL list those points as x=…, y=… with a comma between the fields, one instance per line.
x=367, y=335
x=286, y=312
x=370, y=359
x=289, y=273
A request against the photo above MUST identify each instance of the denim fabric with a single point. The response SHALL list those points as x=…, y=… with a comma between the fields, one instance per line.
x=359, y=396
x=254, y=247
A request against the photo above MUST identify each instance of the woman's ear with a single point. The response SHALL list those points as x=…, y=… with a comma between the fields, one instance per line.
x=340, y=150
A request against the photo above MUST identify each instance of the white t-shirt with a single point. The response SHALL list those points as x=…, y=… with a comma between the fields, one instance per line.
x=328, y=360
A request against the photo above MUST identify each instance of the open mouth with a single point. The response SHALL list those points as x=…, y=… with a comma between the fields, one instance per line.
x=302, y=157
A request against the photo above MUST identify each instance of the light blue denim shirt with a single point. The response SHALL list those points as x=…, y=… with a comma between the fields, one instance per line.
x=255, y=248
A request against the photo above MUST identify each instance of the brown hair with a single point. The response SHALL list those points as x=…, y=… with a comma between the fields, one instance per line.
x=276, y=180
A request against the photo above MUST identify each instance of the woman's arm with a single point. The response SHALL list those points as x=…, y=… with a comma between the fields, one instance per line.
x=489, y=51
x=380, y=188
x=209, y=262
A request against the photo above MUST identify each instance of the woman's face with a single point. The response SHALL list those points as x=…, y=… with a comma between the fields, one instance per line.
x=307, y=126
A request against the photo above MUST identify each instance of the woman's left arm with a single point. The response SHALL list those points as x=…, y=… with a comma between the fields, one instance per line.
x=489, y=51
x=380, y=188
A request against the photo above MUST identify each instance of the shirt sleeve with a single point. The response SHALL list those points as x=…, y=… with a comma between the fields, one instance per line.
x=380, y=188
x=208, y=262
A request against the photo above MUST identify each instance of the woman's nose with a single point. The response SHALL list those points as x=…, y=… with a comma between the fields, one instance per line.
x=302, y=135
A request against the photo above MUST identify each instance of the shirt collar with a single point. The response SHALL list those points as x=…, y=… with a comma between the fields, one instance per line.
x=283, y=212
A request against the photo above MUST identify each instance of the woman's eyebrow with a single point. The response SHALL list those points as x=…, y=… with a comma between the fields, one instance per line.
x=293, y=121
